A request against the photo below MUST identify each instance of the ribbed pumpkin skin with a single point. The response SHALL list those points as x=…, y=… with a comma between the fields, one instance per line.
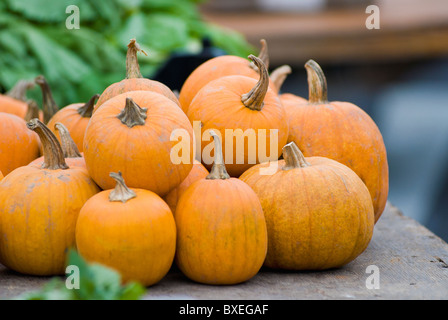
x=345, y=133
x=197, y=172
x=135, y=84
x=211, y=70
x=290, y=101
x=141, y=153
x=318, y=217
x=221, y=232
x=219, y=107
x=73, y=121
x=137, y=238
x=18, y=145
x=13, y=106
x=38, y=213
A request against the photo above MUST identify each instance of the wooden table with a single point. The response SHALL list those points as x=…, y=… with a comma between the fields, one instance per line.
x=411, y=261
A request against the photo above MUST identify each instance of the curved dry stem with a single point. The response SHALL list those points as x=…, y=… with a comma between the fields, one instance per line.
x=132, y=66
x=279, y=75
x=33, y=110
x=53, y=154
x=69, y=146
x=294, y=158
x=254, y=99
x=132, y=115
x=218, y=169
x=86, y=110
x=317, y=83
x=121, y=192
x=49, y=106
x=20, y=88
x=263, y=55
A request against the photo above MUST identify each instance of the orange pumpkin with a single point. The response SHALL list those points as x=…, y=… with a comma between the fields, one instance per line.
x=134, y=80
x=18, y=145
x=221, y=231
x=130, y=230
x=343, y=132
x=71, y=153
x=318, y=212
x=39, y=208
x=75, y=118
x=14, y=100
x=198, y=172
x=247, y=113
x=49, y=106
x=131, y=133
x=1, y=176
x=218, y=67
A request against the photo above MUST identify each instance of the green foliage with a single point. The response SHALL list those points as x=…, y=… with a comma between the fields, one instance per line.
x=79, y=63
x=96, y=282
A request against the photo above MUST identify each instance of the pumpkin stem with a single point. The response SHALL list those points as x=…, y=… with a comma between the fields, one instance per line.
x=278, y=76
x=254, y=99
x=121, y=192
x=218, y=169
x=53, y=155
x=293, y=157
x=33, y=110
x=132, y=66
x=19, y=90
x=263, y=55
x=132, y=115
x=48, y=104
x=317, y=83
x=86, y=110
x=69, y=146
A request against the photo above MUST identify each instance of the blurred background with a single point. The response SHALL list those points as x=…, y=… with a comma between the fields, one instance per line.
x=398, y=74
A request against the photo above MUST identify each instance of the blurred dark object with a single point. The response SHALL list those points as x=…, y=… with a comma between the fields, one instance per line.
x=180, y=65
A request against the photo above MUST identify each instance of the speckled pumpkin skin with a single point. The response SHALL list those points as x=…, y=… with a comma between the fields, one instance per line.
x=317, y=217
x=344, y=132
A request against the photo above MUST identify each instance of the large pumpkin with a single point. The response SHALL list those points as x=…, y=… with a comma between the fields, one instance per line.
x=14, y=101
x=218, y=67
x=134, y=80
x=318, y=212
x=130, y=230
x=221, y=231
x=343, y=132
x=132, y=133
x=39, y=208
x=75, y=118
x=247, y=113
x=18, y=145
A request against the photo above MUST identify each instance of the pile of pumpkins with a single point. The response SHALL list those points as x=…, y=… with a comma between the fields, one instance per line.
x=101, y=177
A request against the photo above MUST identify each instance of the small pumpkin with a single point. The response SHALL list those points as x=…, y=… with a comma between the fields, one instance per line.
x=221, y=231
x=343, y=132
x=39, y=208
x=218, y=67
x=318, y=212
x=248, y=107
x=131, y=133
x=130, y=230
x=289, y=100
x=134, y=80
x=75, y=118
x=14, y=101
x=71, y=153
x=18, y=145
x=197, y=172
x=49, y=106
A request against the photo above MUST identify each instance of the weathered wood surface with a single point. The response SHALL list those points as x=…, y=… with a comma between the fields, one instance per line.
x=410, y=258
